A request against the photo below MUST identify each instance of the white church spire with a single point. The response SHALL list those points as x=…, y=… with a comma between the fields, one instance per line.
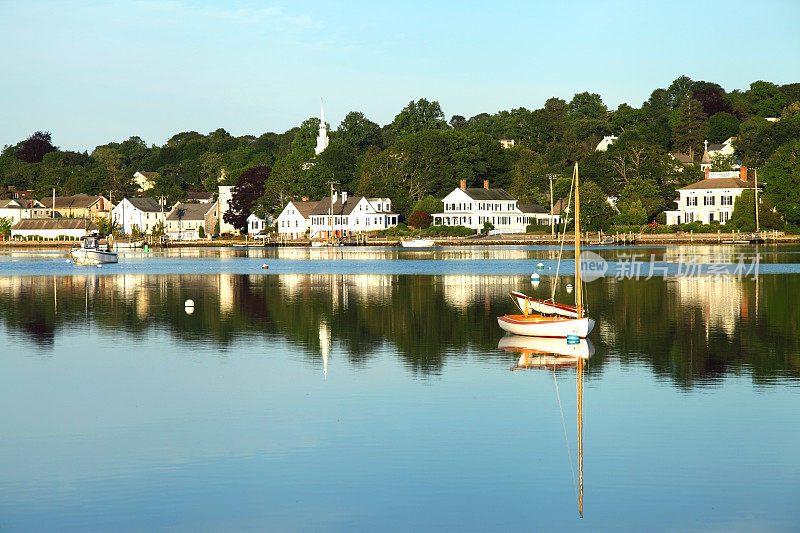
x=322, y=138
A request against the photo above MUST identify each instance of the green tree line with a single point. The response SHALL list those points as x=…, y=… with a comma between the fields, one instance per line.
x=421, y=154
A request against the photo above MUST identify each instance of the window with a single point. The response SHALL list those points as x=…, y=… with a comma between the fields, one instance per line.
x=726, y=200
x=690, y=216
x=691, y=200
x=724, y=216
x=708, y=200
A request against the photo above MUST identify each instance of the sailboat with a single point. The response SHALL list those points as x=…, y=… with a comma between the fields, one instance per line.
x=538, y=353
x=541, y=318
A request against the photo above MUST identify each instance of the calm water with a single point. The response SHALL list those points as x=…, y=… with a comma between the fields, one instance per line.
x=365, y=390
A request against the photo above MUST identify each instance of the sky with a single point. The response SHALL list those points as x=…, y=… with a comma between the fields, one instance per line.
x=96, y=72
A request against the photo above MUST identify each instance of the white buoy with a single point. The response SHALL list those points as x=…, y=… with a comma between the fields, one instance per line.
x=99, y=265
x=569, y=287
x=534, y=277
x=189, y=310
x=540, y=266
x=189, y=303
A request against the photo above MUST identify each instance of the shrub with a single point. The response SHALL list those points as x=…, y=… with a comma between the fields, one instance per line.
x=201, y=232
x=487, y=227
x=420, y=219
x=448, y=231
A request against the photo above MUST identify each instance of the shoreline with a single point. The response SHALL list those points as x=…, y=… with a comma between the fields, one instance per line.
x=644, y=239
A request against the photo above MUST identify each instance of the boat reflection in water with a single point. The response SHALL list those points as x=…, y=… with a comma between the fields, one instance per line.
x=549, y=353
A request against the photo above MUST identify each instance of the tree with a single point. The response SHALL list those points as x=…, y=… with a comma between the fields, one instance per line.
x=743, y=217
x=5, y=227
x=643, y=193
x=358, y=131
x=248, y=190
x=201, y=232
x=765, y=99
x=429, y=205
x=457, y=121
x=305, y=140
x=418, y=116
x=690, y=130
x=34, y=148
x=712, y=97
x=781, y=178
x=587, y=105
x=679, y=90
x=595, y=212
x=420, y=220
x=632, y=213
x=722, y=126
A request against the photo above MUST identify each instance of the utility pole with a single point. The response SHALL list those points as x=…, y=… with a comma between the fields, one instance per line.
x=552, y=227
x=755, y=194
x=330, y=233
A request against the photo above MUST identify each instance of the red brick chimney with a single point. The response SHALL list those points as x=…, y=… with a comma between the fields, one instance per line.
x=485, y=184
x=706, y=171
x=743, y=173
x=463, y=185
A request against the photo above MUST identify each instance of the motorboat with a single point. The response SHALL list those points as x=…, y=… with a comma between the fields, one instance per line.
x=91, y=252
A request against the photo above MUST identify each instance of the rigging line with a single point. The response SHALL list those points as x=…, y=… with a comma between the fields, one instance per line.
x=563, y=237
x=566, y=439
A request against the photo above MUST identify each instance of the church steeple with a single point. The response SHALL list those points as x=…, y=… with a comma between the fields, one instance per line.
x=322, y=138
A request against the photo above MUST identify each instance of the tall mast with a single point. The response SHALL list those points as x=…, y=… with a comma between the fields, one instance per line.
x=580, y=436
x=578, y=292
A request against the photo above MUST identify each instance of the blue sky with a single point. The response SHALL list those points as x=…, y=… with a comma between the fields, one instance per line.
x=104, y=71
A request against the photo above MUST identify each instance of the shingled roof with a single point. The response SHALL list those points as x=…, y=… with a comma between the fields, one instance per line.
x=482, y=194
x=532, y=208
x=77, y=201
x=324, y=205
x=146, y=204
x=720, y=183
x=190, y=211
x=305, y=208
x=55, y=224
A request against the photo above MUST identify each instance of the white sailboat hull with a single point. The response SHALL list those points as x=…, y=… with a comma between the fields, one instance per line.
x=546, y=327
x=555, y=347
x=417, y=243
x=93, y=257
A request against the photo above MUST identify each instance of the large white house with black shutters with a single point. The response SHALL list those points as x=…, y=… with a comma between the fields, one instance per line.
x=710, y=200
x=473, y=207
x=350, y=215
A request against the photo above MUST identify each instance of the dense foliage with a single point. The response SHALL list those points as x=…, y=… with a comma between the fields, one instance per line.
x=420, y=154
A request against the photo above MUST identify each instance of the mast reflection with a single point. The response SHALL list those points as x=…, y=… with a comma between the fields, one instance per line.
x=555, y=354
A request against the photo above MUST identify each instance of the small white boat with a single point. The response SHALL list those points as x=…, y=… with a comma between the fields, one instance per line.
x=318, y=244
x=418, y=243
x=91, y=252
x=128, y=245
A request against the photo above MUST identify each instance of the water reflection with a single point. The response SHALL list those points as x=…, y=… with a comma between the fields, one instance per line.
x=556, y=354
x=692, y=331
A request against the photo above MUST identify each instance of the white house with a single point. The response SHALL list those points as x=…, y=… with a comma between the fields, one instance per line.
x=472, y=207
x=224, y=201
x=507, y=144
x=351, y=214
x=183, y=222
x=53, y=228
x=15, y=210
x=607, y=141
x=256, y=225
x=144, y=213
x=295, y=219
x=144, y=180
x=723, y=149
x=710, y=200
